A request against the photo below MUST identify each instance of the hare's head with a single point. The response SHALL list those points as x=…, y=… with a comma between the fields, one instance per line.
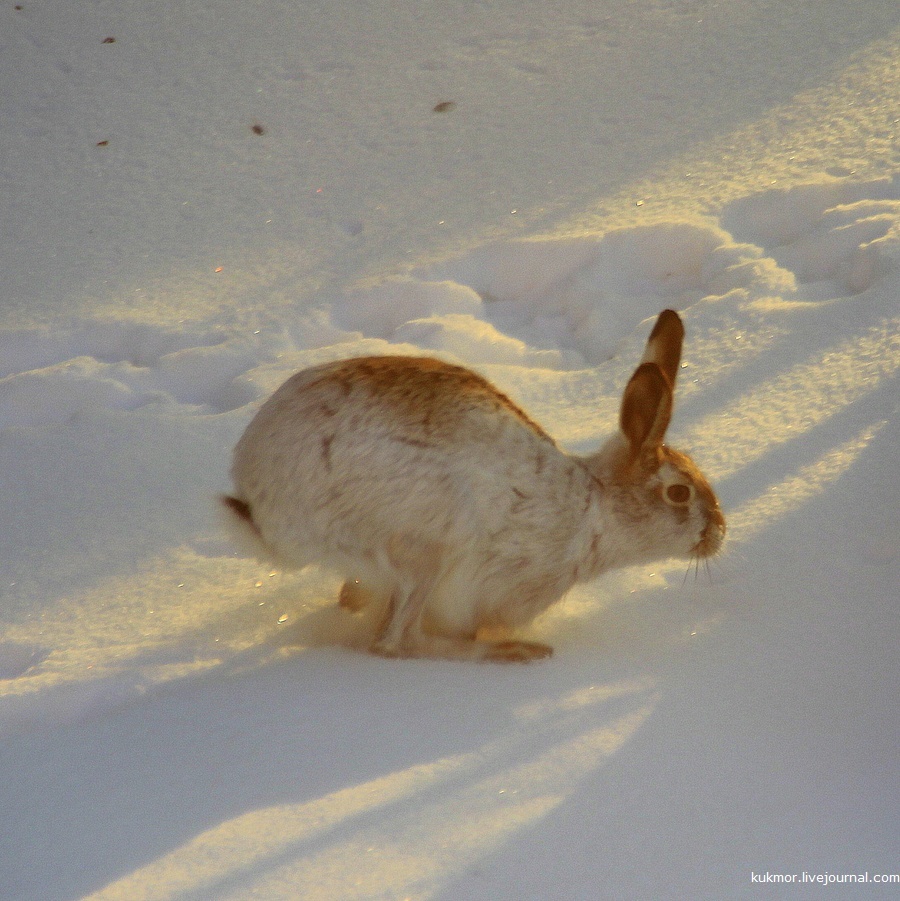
x=659, y=493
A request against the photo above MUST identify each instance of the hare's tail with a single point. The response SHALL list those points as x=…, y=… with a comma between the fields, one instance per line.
x=241, y=509
x=245, y=533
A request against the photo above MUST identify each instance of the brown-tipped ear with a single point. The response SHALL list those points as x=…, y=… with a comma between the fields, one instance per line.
x=664, y=344
x=646, y=409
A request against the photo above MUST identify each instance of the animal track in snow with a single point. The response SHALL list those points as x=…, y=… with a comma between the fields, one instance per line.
x=568, y=303
x=840, y=237
x=50, y=376
x=559, y=303
x=563, y=304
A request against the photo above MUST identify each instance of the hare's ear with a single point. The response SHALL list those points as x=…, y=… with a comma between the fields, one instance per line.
x=664, y=344
x=646, y=409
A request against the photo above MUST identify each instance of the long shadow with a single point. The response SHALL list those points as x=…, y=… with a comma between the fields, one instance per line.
x=94, y=802
x=784, y=459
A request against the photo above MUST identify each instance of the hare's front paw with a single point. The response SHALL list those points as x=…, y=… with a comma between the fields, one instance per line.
x=391, y=651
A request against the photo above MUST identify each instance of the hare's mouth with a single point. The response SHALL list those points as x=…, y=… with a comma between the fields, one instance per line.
x=712, y=535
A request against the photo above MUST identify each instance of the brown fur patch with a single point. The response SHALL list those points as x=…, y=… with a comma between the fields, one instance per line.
x=417, y=386
x=415, y=442
x=326, y=451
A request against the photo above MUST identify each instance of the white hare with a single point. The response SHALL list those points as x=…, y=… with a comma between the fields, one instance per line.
x=434, y=494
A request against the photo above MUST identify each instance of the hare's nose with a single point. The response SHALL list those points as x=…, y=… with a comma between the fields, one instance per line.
x=712, y=535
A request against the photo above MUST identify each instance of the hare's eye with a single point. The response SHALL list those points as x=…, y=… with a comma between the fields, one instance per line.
x=679, y=494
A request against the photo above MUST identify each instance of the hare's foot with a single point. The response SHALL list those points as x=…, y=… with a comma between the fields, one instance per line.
x=502, y=647
x=442, y=648
x=516, y=651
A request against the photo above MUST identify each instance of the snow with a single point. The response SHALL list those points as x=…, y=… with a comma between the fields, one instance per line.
x=178, y=722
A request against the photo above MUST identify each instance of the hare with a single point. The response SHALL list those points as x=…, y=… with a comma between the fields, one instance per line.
x=435, y=495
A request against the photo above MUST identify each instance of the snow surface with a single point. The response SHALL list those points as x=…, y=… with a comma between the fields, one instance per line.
x=178, y=723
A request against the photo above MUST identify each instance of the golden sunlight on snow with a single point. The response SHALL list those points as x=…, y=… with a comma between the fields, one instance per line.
x=845, y=127
x=796, y=401
x=790, y=494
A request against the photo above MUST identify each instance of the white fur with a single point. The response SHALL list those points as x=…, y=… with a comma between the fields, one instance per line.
x=435, y=495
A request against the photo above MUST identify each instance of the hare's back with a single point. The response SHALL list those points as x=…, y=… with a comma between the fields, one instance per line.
x=420, y=399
